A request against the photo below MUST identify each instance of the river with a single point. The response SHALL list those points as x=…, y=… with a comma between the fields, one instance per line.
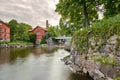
x=36, y=64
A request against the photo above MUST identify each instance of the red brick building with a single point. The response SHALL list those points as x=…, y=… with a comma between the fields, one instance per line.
x=4, y=32
x=40, y=32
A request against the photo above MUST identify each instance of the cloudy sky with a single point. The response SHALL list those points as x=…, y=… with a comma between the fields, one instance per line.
x=33, y=12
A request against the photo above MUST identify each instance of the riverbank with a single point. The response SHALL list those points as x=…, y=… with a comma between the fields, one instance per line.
x=15, y=44
x=96, y=50
x=96, y=70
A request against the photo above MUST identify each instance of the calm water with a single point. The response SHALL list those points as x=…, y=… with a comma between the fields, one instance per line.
x=35, y=64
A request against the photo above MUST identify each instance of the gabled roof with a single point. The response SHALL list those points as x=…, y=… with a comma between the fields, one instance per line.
x=3, y=23
x=36, y=28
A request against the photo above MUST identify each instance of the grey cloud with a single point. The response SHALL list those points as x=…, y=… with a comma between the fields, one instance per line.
x=34, y=12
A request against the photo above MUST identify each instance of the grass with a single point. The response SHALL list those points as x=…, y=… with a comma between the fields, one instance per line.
x=118, y=78
x=17, y=42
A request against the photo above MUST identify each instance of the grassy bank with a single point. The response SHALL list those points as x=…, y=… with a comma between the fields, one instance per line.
x=17, y=42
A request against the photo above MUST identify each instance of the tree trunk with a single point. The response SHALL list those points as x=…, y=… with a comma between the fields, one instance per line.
x=85, y=13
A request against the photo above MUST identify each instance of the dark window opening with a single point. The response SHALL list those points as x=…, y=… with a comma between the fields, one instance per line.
x=5, y=30
x=5, y=35
x=0, y=24
x=0, y=29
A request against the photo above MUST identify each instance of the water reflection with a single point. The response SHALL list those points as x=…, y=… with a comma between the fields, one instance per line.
x=35, y=64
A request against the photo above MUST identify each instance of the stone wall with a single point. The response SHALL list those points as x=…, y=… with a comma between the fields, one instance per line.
x=15, y=45
x=98, y=71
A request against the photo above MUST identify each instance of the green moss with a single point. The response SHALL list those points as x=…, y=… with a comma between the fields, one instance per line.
x=99, y=32
x=106, y=60
x=118, y=78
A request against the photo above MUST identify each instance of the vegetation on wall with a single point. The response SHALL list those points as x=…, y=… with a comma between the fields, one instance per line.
x=99, y=32
x=107, y=60
x=118, y=78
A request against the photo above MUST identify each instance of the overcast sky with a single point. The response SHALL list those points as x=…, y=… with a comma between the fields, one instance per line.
x=33, y=12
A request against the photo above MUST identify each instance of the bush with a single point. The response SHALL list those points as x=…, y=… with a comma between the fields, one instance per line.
x=98, y=31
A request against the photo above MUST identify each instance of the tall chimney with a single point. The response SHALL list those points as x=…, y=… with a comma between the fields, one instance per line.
x=47, y=24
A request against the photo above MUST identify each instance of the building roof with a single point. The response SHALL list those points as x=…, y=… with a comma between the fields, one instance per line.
x=4, y=23
x=37, y=27
x=63, y=37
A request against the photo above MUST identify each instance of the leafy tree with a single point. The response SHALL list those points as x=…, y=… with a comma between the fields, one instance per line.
x=13, y=28
x=53, y=31
x=19, y=31
x=76, y=14
x=32, y=37
x=112, y=8
x=23, y=31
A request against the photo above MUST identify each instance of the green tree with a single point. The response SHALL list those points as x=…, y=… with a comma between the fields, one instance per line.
x=53, y=31
x=76, y=14
x=112, y=8
x=19, y=31
x=23, y=31
x=32, y=37
x=13, y=29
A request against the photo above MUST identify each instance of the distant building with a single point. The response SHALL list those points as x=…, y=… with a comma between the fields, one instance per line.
x=40, y=32
x=4, y=32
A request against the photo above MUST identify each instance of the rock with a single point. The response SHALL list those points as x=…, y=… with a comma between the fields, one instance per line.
x=112, y=39
x=99, y=73
x=95, y=70
x=14, y=45
x=84, y=70
x=108, y=78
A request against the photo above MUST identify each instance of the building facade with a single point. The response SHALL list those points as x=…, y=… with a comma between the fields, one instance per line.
x=4, y=32
x=39, y=32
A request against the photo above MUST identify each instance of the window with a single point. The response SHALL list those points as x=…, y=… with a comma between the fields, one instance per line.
x=5, y=30
x=5, y=35
x=0, y=29
x=0, y=24
x=38, y=33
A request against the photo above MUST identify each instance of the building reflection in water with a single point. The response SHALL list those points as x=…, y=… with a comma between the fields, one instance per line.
x=4, y=56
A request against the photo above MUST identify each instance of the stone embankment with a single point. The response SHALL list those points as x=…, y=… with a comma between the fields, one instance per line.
x=15, y=45
x=97, y=70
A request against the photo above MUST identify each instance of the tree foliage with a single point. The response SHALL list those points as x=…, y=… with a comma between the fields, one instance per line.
x=19, y=31
x=112, y=8
x=76, y=14
x=53, y=31
x=99, y=33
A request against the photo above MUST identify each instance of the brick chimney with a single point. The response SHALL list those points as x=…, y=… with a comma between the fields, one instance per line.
x=47, y=24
